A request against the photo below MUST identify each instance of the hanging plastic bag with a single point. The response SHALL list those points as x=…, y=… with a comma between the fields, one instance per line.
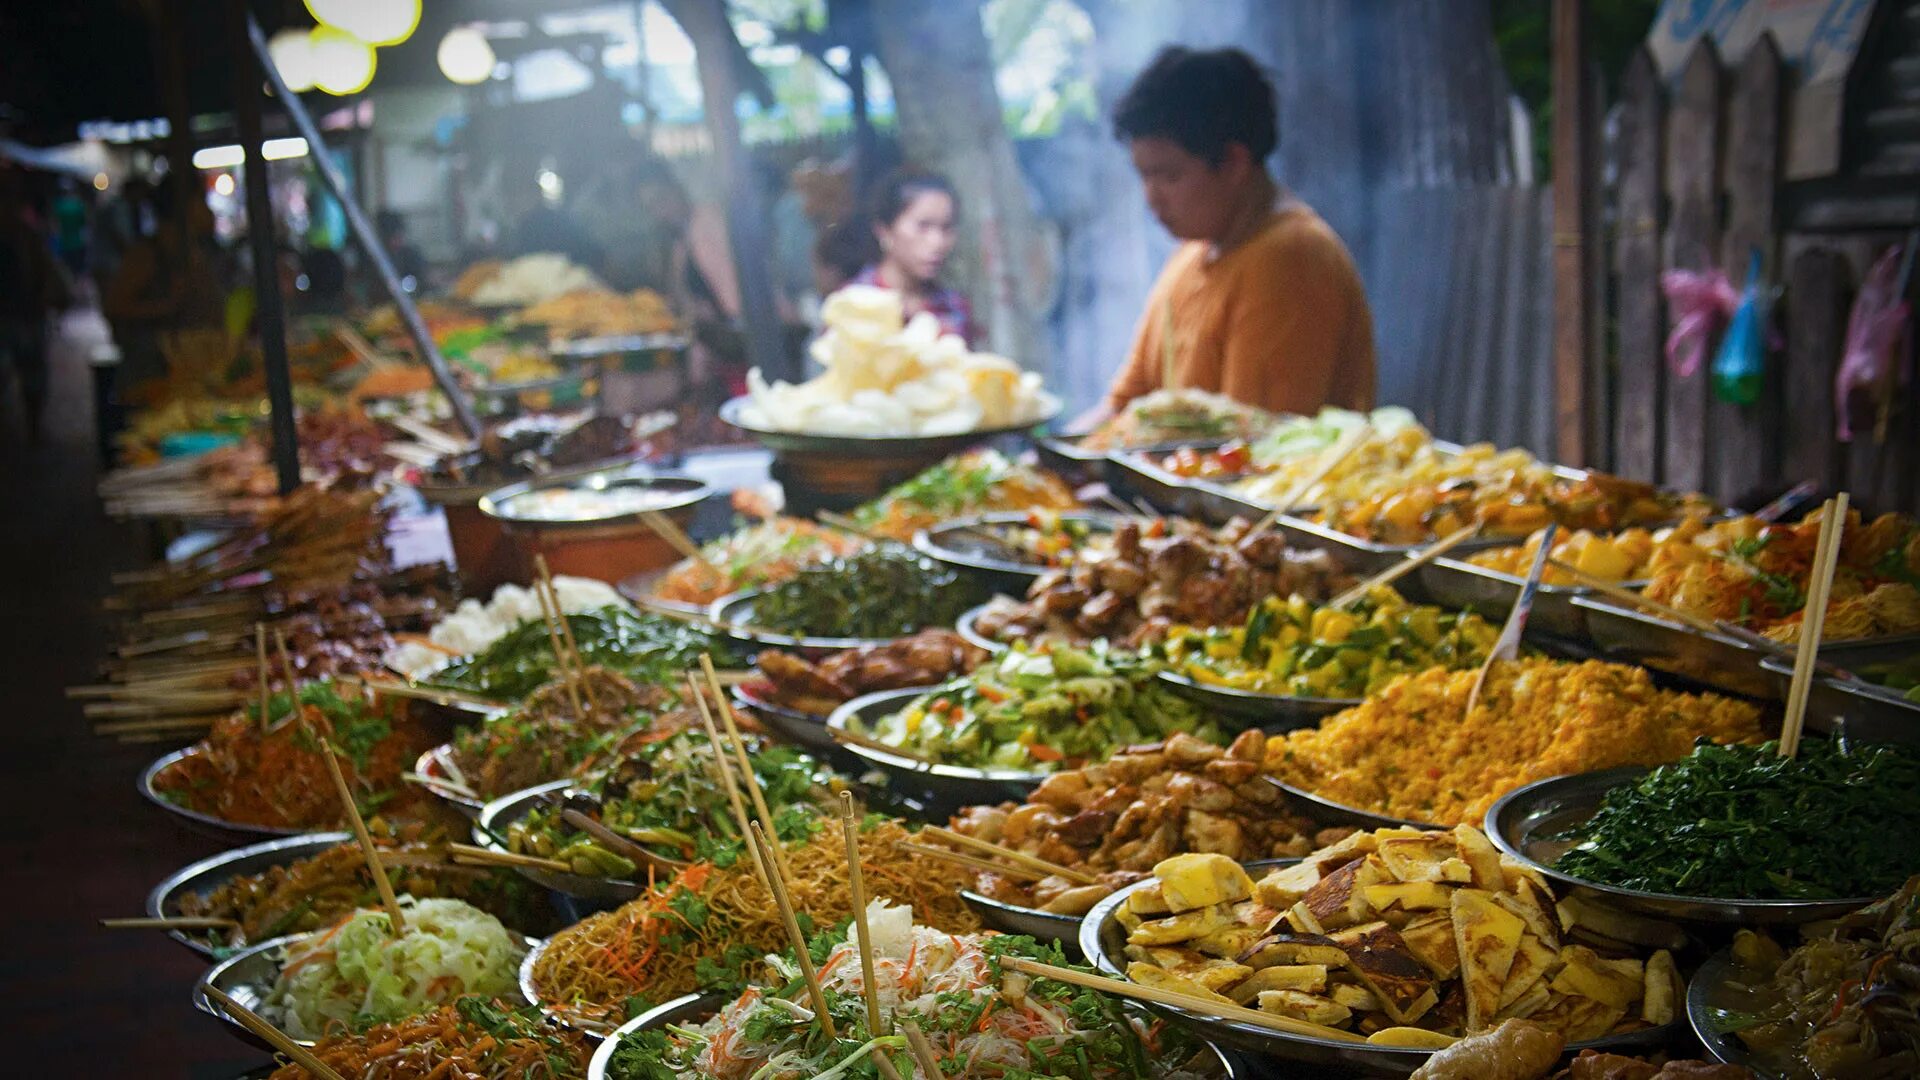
x=1701, y=302
x=1740, y=367
x=1870, y=371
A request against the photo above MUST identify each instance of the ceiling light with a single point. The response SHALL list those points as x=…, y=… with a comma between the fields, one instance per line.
x=465, y=56
x=376, y=22
x=342, y=64
x=292, y=53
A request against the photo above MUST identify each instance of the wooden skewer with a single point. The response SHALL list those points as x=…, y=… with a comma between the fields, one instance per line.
x=1330, y=460
x=1813, y=621
x=1615, y=591
x=845, y=524
x=855, y=738
x=560, y=665
x=738, y=808
x=921, y=1049
x=566, y=631
x=260, y=661
x=467, y=853
x=1406, y=566
x=857, y=885
x=784, y=901
x=387, y=900
x=1078, y=877
x=971, y=862
x=1166, y=342
x=158, y=727
x=723, y=706
x=276, y=1038
x=620, y=845
x=439, y=695
x=170, y=922
x=1118, y=988
x=677, y=539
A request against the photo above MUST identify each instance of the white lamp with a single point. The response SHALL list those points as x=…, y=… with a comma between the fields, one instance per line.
x=376, y=22
x=465, y=56
x=342, y=63
x=292, y=53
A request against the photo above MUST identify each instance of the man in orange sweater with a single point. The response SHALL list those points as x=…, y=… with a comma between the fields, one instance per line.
x=1261, y=302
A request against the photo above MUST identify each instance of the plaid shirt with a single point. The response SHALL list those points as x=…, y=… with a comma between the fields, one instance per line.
x=947, y=305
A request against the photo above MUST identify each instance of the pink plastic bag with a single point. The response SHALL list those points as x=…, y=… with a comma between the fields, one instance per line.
x=1700, y=303
x=1870, y=371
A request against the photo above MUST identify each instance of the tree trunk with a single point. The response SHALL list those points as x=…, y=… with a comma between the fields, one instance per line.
x=938, y=60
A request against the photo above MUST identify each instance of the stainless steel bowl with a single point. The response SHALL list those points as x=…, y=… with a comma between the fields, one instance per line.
x=497, y=816
x=1724, y=1046
x=962, y=544
x=1063, y=930
x=1524, y=821
x=733, y=614
x=214, y=871
x=1326, y=811
x=1066, y=455
x=686, y=491
x=935, y=446
x=248, y=977
x=946, y=788
x=1715, y=660
x=1268, y=712
x=967, y=626
x=196, y=820
x=427, y=769
x=804, y=729
x=1103, y=941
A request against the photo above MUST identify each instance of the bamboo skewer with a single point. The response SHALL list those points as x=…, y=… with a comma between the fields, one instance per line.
x=1813, y=622
x=566, y=631
x=971, y=862
x=1270, y=1021
x=438, y=695
x=1330, y=460
x=922, y=1051
x=469, y=854
x=395, y=919
x=260, y=660
x=560, y=665
x=856, y=884
x=278, y=1039
x=669, y=530
x=845, y=524
x=170, y=922
x=784, y=901
x=1406, y=566
x=749, y=779
x=726, y=778
x=1166, y=342
x=855, y=738
x=1034, y=862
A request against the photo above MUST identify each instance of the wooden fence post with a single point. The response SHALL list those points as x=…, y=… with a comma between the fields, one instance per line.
x=1816, y=319
x=1639, y=370
x=1744, y=451
x=1573, y=191
x=1693, y=190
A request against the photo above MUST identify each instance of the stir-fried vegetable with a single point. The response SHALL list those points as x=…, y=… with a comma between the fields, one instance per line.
x=882, y=592
x=1057, y=708
x=666, y=797
x=1297, y=648
x=643, y=646
x=1742, y=822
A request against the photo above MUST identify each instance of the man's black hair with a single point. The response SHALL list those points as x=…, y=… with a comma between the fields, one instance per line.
x=1202, y=99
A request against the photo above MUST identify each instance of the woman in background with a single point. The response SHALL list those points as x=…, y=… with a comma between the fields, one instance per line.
x=912, y=219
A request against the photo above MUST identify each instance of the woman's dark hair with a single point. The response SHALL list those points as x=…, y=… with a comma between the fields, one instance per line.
x=1204, y=100
x=897, y=190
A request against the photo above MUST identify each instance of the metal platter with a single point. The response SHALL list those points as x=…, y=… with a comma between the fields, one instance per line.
x=1103, y=941
x=248, y=977
x=195, y=819
x=427, y=774
x=698, y=1008
x=1858, y=711
x=1075, y=464
x=881, y=446
x=946, y=787
x=962, y=544
x=1459, y=584
x=639, y=590
x=1328, y=812
x=1043, y=926
x=967, y=626
x=1268, y=712
x=1716, y=972
x=804, y=729
x=686, y=492
x=494, y=820
x=1134, y=473
x=1524, y=819
x=733, y=615
x=210, y=873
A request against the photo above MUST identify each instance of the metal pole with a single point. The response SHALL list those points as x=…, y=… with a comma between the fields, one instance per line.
x=368, y=240
x=269, y=310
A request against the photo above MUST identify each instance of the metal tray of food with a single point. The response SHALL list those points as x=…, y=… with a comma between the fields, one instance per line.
x=884, y=446
x=968, y=627
x=1063, y=930
x=639, y=590
x=196, y=820
x=429, y=773
x=1706, y=1018
x=500, y=814
x=1251, y=708
x=1326, y=811
x=1134, y=473
x=804, y=729
x=1103, y=941
x=1857, y=709
x=211, y=873
x=733, y=615
x=1524, y=821
x=1074, y=463
x=946, y=787
x=964, y=543
x=1457, y=583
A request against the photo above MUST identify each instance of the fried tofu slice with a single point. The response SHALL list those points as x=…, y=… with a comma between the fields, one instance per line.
x=1354, y=996
x=1302, y=919
x=1536, y=998
x=1659, y=988
x=1481, y=857
x=1516, y=871
x=1192, y=881
x=1148, y=975
x=1174, y=929
x=1378, y=956
x=1430, y=939
x=1584, y=973
x=1339, y=900
x=1284, y=887
x=1279, y=949
x=1409, y=896
x=1307, y=978
x=1228, y=942
x=1487, y=937
x=1309, y=1007
x=1149, y=900
x=1531, y=962
x=1127, y=918
x=1417, y=858
x=1535, y=907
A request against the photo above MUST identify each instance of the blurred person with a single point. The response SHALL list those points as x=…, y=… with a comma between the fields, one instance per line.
x=161, y=286
x=72, y=228
x=1262, y=301
x=912, y=218
x=552, y=226
x=32, y=287
x=702, y=280
x=839, y=254
x=409, y=265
